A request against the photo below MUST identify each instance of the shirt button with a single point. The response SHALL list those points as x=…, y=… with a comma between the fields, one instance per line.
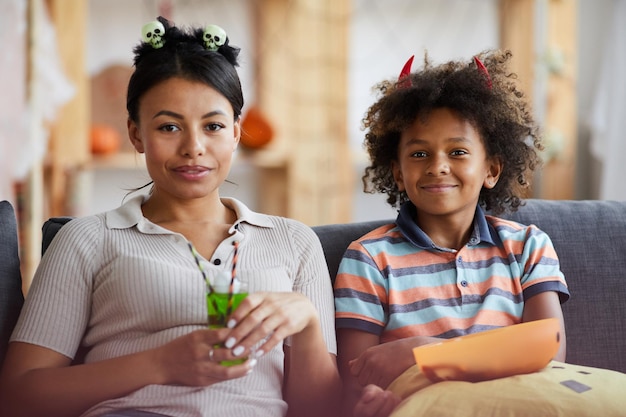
x=464, y=283
x=217, y=261
x=459, y=260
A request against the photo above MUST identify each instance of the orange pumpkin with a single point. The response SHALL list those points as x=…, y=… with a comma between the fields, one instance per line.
x=256, y=131
x=105, y=139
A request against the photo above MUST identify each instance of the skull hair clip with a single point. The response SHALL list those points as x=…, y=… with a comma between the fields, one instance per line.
x=153, y=33
x=214, y=37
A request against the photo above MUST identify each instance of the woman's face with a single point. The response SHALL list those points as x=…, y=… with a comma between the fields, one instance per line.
x=187, y=132
x=443, y=165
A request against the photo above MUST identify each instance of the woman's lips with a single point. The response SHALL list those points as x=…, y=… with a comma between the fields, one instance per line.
x=192, y=172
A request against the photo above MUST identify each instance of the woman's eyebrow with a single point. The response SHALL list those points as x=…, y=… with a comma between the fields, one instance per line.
x=179, y=116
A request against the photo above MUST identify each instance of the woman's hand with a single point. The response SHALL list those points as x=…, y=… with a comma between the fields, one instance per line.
x=194, y=359
x=268, y=317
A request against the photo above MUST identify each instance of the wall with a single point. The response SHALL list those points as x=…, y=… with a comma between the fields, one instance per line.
x=114, y=29
x=383, y=35
x=383, y=38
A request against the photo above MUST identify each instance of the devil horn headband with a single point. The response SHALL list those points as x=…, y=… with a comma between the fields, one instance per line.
x=483, y=69
x=404, y=79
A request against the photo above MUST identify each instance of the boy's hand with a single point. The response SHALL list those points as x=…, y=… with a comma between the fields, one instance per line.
x=376, y=402
x=381, y=364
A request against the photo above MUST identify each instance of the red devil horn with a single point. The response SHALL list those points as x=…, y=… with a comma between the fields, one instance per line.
x=404, y=79
x=483, y=69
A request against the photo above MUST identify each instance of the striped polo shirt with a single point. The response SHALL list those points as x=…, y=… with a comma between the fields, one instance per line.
x=396, y=283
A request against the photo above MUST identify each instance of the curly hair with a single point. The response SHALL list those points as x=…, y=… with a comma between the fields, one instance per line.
x=500, y=114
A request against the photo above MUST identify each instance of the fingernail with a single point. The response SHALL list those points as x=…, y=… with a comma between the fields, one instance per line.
x=231, y=323
x=238, y=350
x=258, y=353
x=230, y=342
x=252, y=363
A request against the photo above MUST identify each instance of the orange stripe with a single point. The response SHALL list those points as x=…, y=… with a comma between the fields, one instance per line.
x=357, y=283
x=423, y=259
x=416, y=294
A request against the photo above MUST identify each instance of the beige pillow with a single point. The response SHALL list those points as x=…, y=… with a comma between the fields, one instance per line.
x=558, y=390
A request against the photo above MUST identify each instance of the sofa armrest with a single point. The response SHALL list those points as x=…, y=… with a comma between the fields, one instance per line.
x=11, y=297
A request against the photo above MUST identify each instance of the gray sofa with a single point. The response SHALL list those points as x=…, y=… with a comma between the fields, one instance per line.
x=589, y=237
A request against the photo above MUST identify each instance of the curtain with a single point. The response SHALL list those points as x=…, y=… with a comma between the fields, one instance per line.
x=607, y=120
x=27, y=106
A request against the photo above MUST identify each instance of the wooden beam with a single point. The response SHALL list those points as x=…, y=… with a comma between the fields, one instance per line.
x=517, y=26
x=302, y=87
x=558, y=174
x=518, y=31
x=69, y=145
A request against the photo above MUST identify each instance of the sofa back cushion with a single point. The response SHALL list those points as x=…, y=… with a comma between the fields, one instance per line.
x=590, y=239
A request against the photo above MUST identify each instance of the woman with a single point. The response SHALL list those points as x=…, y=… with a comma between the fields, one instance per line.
x=129, y=285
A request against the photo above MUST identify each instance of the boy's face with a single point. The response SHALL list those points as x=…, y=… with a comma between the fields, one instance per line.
x=443, y=165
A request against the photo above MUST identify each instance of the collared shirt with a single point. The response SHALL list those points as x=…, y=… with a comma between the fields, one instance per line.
x=395, y=282
x=120, y=284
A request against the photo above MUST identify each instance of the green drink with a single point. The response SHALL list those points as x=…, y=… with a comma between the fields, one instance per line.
x=217, y=307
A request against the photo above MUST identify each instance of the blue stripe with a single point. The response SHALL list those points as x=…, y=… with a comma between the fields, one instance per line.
x=359, y=325
x=359, y=295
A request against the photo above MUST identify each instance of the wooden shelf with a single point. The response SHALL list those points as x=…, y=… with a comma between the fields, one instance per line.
x=133, y=160
x=262, y=158
x=121, y=160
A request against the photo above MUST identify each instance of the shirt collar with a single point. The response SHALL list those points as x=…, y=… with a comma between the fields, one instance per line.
x=129, y=215
x=481, y=232
x=245, y=215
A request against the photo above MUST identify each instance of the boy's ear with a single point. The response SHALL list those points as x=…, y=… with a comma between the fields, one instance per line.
x=493, y=173
x=134, y=136
x=397, y=175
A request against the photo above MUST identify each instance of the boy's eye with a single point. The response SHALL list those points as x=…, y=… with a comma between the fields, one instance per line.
x=419, y=154
x=459, y=152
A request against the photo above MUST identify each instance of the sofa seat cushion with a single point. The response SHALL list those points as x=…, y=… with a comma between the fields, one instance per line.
x=557, y=390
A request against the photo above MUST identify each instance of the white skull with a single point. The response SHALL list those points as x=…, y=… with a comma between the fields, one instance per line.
x=214, y=37
x=152, y=33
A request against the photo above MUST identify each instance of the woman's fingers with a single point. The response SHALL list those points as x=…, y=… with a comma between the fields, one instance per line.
x=194, y=359
x=268, y=318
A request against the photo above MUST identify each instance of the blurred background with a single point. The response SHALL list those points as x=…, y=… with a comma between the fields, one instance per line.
x=307, y=69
